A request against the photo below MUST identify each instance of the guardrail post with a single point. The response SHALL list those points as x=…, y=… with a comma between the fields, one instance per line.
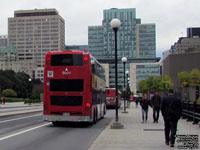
x=189, y=118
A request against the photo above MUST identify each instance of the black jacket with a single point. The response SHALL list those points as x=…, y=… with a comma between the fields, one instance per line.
x=156, y=101
x=145, y=104
x=171, y=107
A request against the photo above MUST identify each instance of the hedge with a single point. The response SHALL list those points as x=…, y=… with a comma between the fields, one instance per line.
x=14, y=99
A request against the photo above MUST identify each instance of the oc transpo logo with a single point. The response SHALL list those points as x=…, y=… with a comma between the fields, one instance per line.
x=66, y=72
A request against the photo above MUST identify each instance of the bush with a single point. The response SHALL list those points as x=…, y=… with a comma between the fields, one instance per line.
x=29, y=101
x=13, y=99
x=9, y=93
x=198, y=100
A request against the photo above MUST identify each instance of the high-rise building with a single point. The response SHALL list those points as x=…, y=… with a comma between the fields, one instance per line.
x=34, y=32
x=77, y=47
x=146, y=41
x=136, y=41
x=193, y=32
x=3, y=41
x=126, y=33
x=96, y=40
x=141, y=71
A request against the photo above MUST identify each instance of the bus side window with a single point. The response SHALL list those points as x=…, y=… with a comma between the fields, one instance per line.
x=108, y=91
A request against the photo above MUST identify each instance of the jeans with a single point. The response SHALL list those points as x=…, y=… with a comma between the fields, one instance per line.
x=144, y=114
x=170, y=130
x=156, y=111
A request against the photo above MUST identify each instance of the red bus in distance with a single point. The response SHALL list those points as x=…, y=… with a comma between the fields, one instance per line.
x=111, y=98
x=74, y=87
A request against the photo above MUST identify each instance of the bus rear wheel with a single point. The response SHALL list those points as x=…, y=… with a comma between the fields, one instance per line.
x=95, y=117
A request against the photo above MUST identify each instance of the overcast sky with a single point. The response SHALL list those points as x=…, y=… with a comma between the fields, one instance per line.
x=171, y=17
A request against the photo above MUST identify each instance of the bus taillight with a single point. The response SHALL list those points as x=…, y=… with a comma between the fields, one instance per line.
x=87, y=107
x=48, y=60
x=85, y=59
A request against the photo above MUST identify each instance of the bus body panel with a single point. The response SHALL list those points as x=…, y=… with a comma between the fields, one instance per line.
x=72, y=93
x=111, y=97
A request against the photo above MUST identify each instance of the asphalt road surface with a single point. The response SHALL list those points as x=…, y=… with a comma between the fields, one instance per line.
x=30, y=132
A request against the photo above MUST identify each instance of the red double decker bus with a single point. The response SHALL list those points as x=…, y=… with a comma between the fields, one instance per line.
x=111, y=98
x=74, y=87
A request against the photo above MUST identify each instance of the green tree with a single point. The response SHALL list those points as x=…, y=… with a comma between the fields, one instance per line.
x=150, y=83
x=164, y=83
x=9, y=93
x=142, y=86
x=184, y=79
x=37, y=89
x=195, y=77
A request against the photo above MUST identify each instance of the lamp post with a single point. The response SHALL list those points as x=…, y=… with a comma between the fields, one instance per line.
x=124, y=60
x=127, y=89
x=115, y=24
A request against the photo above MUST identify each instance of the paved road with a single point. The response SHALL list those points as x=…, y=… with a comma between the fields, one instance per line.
x=30, y=132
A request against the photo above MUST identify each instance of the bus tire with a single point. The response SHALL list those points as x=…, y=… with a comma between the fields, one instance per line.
x=94, y=117
x=55, y=123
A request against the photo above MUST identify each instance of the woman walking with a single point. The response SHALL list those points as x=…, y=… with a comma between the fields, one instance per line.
x=145, y=106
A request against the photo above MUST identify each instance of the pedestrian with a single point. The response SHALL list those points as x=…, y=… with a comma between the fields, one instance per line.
x=145, y=106
x=4, y=100
x=155, y=103
x=171, y=110
x=136, y=101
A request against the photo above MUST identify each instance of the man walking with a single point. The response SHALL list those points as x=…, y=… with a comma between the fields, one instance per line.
x=171, y=110
x=156, y=102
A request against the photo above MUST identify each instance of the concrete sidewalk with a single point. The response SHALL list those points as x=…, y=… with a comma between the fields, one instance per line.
x=137, y=135
x=20, y=105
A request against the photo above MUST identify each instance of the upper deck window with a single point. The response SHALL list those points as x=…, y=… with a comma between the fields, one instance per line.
x=67, y=60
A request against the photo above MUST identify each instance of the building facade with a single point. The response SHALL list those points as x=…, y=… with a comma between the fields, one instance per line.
x=96, y=40
x=9, y=61
x=146, y=40
x=77, y=47
x=136, y=41
x=3, y=41
x=176, y=63
x=141, y=71
x=193, y=32
x=34, y=32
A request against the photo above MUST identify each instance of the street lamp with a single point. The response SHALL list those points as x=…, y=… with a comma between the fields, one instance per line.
x=124, y=60
x=127, y=90
x=115, y=24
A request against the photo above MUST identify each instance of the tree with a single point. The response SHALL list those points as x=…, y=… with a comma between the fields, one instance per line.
x=150, y=82
x=184, y=78
x=9, y=93
x=195, y=77
x=142, y=86
x=164, y=83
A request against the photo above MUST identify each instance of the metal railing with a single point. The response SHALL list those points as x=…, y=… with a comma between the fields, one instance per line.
x=191, y=111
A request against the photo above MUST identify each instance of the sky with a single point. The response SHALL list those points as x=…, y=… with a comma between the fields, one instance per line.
x=171, y=17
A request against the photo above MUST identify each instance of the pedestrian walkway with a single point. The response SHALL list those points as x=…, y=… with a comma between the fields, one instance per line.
x=137, y=135
x=18, y=104
x=18, y=108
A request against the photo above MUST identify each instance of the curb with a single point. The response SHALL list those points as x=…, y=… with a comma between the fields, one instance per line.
x=20, y=113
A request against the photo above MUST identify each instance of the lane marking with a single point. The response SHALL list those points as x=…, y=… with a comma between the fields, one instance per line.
x=19, y=118
x=27, y=130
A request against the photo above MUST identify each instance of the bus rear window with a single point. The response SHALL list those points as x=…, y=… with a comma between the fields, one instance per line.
x=70, y=85
x=67, y=60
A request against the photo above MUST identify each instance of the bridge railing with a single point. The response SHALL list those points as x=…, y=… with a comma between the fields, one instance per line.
x=191, y=111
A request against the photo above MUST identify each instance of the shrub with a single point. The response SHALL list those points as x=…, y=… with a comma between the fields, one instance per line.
x=9, y=93
x=13, y=99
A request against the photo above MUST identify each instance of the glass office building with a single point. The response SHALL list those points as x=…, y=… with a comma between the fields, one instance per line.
x=136, y=41
x=146, y=41
x=96, y=40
